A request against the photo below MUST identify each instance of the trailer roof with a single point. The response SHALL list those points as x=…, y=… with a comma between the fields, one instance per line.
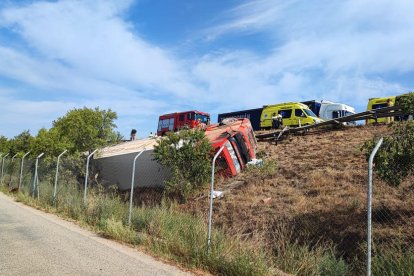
x=127, y=147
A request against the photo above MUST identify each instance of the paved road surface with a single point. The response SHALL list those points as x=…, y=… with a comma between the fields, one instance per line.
x=35, y=243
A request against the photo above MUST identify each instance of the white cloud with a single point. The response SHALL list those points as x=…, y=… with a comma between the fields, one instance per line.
x=91, y=39
x=77, y=53
x=319, y=49
x=82, y=53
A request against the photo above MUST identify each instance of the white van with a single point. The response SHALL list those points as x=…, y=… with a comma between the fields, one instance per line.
x=330, y=110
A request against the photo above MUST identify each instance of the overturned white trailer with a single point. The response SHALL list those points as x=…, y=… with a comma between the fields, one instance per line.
x=114, y=165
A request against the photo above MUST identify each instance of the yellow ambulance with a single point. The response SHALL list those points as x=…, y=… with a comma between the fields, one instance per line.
x=293, y=114
x=375, y=103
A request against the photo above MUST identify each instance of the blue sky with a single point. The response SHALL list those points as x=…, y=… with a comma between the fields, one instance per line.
x=144, y=58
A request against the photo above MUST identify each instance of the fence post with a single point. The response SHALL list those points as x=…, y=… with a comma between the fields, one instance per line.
x=2, y=167
x=87, y=175
x=210, y=214
x=1, y=154
x=35, y=178
x=57, y=174
x=21, y=169
x=11, y=173
x=369, y=195
x=14, y=157
x=132, y=186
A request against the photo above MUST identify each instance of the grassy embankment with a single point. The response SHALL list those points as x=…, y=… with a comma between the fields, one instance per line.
x=168, y=232
x=314, y=201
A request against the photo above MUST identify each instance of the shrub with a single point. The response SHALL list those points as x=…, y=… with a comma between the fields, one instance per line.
x=406, y=102
x=395, y=158
x=187, y=153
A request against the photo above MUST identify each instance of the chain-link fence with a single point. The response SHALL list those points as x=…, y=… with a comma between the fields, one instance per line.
x=63, y=179
x=390, y=227
x=307, y=217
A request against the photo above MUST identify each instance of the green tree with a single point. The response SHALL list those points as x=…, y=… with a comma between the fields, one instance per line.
x=4, y=144
x=21, y=143
x=187, y=153
x=50, y=142
x=395, y=158
x=87, y=129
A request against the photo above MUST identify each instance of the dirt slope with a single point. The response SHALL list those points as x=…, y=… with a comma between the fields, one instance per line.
x=318, y=190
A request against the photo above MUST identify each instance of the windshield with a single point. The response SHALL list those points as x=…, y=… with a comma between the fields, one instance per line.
x=233, y=156
x=376, y=106
x=203, y=118
x=310, y=113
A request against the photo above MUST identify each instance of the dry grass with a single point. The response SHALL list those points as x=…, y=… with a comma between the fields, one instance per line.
x=319, y=191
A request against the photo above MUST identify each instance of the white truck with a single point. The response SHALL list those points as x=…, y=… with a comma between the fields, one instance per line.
x=330, y=110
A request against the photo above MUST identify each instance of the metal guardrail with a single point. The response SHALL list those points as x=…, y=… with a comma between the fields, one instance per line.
x=391, y=111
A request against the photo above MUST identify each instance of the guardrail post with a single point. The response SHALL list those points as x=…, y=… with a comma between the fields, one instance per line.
x=57, y=174
x=21, y=169
x=2, y=167
x=369, y=195
x=210, y=214
x=86, y=176
x=36, y=178
x=132, y=187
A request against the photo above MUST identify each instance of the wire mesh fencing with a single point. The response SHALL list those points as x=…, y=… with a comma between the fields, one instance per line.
x=308, y=221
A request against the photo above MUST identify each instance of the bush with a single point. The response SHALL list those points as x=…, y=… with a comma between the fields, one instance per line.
x=395, y=158
x=406, y=102
x=187, y=153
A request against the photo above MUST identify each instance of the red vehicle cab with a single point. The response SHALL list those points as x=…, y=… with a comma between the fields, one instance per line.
x=175, y=121
x=239, y=145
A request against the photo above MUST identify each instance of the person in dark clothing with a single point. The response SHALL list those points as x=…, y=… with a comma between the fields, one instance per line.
x=275, y=121
x=133, y=135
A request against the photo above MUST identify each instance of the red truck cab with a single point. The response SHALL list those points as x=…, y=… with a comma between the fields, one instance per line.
x=239, y=145
x=175, y=121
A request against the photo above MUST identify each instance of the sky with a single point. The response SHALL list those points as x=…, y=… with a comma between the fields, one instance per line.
x=145, y=58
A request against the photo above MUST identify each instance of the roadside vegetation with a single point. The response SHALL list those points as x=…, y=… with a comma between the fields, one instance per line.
x=78, y=131
x=163, y=230
x=187, y=154
x=307, y=206
x=302, y=213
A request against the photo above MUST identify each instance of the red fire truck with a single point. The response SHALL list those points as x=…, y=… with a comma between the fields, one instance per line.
x=239, y=144
x=177, y=120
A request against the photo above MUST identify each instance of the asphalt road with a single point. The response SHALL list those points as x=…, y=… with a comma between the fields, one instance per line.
x=35, y=243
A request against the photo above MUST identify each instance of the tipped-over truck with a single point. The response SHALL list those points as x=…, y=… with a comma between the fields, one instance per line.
x=114, y=163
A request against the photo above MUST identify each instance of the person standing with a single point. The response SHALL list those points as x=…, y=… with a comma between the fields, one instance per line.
x=275, y=121
x=133, y=135
x=389, y=104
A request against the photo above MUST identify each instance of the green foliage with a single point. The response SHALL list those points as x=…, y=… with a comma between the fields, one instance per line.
x=393, y=260
x=21, y=143
x=187, y=153
x=87, y=129
x=406, y=102
x=50, y=142
x=4, y=145
x=165, y=230
x=80, y=130
x=333, y=266
x=395, y=158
